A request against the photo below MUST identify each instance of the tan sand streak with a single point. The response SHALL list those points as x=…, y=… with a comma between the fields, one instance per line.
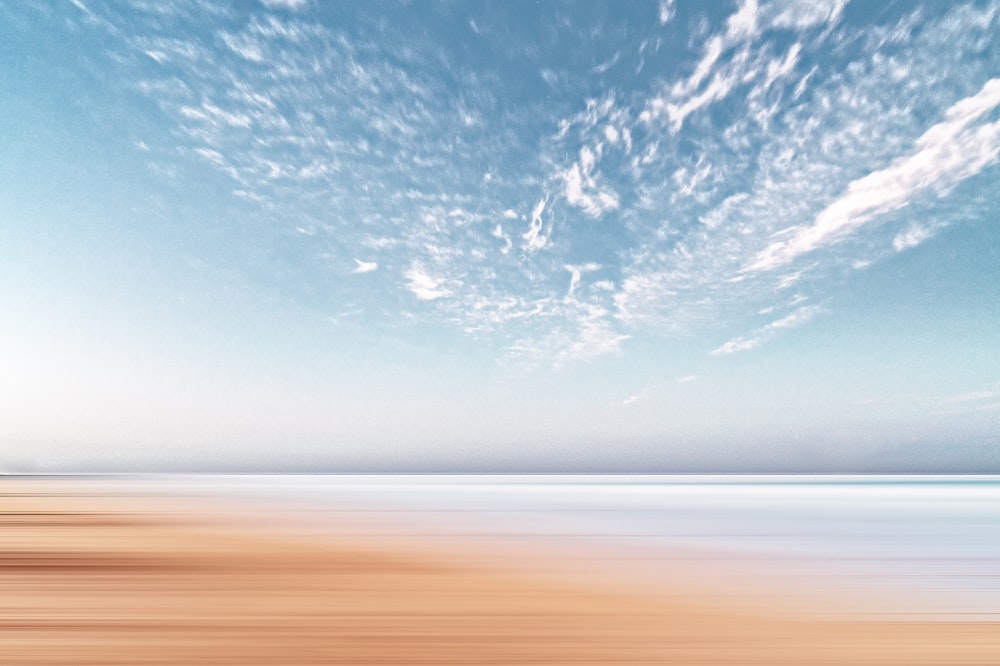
x=92, y=578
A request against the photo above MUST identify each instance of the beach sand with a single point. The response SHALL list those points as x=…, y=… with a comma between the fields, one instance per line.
x=93, y=577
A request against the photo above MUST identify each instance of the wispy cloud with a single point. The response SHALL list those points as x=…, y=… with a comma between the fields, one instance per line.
x=424, y=286
x=969, y=397
x=713, y=79
x=703, y=192
x=581, y=187
x=964, y=403
x=575, y=273
x=657, y=390
x=245, y=47
x=945, y=154
x=596, y=337
x=802, y=14
x=912, y=237
x=287, y=4
x=364, y=266
x=499, y=233
x=633, y=399
x=534, y=239
x=754, y=182
x=765, y=333
x=666, y=11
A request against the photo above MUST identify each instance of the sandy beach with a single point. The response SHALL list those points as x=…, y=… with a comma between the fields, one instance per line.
x=93, y=577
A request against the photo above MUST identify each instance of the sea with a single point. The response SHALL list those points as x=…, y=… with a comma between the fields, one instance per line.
x=914, y=546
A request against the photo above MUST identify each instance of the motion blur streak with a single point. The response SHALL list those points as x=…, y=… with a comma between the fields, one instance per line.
x=160, y=571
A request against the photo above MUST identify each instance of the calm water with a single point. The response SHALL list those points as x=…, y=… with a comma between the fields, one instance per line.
x=924, y=545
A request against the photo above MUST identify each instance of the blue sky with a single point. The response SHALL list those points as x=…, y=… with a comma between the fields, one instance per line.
x=513, y=235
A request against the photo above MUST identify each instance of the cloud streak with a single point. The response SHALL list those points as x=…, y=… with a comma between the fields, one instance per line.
x=581, y=189
x=425, y=286
x=575, y=273
x=364, y=266
x=765, y=333
x=945, y=154
x=534, y=239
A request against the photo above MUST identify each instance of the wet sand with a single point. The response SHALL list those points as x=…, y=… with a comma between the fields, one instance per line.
x=95, y=577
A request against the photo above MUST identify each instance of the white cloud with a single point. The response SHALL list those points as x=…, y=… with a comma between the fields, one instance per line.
x=786, y=281
x=499, y=233
x=575, y=272
x=285, y=4
x=688, y=180
x=423, y=285
x=244, y=46
x=912, y=237
x=743, y=24
x=684, y=97
x=795, y=319
x=213, y=115
x=212, y=156
x=713, y=50
x=380, y=243
x=737, y=345
x=714, y=218
x=364, y=266
x=596, y=338
x=947, y=153
x=639, y=294
x=534, y=239
x=595, y=112
x=632, y=399
x=718, y=88
x=581, y=189
x=667, y=11
x=608, y=64
x=801, y=14
x=641, y=396
x=777, y=69
x=765, y=333
x=750, y=61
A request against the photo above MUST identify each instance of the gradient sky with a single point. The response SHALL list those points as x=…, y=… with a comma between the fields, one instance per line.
x=611, y=236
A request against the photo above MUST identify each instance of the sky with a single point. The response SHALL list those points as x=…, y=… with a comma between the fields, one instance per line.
x=672, y=236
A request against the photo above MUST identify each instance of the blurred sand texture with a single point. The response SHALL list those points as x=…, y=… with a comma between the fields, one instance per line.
x=92, y=577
